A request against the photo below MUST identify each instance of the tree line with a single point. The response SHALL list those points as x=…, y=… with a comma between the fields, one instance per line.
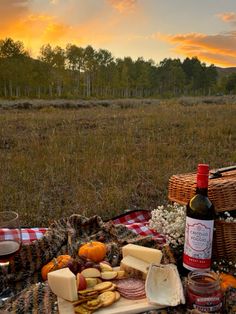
x=85, y=72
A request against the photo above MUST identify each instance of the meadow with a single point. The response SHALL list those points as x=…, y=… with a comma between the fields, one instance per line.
x=60, y=160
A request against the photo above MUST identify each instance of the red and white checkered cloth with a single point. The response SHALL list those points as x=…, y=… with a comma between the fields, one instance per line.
x=10, y=234
x=31, y=234
x=136, y=221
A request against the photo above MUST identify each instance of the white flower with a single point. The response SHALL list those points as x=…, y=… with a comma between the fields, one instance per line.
x=170, y=221
x=227, y=217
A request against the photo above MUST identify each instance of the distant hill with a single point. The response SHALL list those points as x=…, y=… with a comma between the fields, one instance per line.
x=225, y=71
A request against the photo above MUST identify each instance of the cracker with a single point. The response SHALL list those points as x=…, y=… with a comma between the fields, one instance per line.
x=87, y=294
x=93, y=305
x=85, y=291
x=102, y=286
x=88, y=297
x=117, y=295
x=94, y=302
x=84, y=299
x=107, y=298
x=82, y=310
x=111, y=288
x=80, y=301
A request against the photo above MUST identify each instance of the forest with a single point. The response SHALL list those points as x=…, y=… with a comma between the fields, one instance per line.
x=76, y=72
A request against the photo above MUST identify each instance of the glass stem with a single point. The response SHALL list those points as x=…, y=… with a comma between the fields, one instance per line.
x=5, y=291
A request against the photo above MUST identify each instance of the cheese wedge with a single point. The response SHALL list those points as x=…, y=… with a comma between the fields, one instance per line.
x=63, y=283
x=134, y=267
x=145, y=254
x=164, y=286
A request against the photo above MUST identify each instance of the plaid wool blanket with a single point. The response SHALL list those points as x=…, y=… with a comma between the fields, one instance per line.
x=64, y=236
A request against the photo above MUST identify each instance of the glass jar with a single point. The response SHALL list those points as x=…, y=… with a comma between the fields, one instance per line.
x=203, y=292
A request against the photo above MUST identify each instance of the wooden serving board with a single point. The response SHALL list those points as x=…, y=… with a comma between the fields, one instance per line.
x=123, y=306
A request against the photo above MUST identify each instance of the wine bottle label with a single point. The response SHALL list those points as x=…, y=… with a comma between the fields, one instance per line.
x=198, y=243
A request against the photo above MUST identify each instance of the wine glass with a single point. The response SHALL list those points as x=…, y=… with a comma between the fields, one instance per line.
x=10, y=244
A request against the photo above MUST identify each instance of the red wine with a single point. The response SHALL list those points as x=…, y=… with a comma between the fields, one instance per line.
x=8, y=249
x=199, y=225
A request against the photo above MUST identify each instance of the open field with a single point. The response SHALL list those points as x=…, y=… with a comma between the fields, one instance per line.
x=104, y=159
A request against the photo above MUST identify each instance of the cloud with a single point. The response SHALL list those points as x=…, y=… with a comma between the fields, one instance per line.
x=123, y=5
x=228, y=17
x=12, y=10
x=55, y=31
x=219, y=49
x=36, y=30
x=101, y=24
x=30, y=25
x=54, y=1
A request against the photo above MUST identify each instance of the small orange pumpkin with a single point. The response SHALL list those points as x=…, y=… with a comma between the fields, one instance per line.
x=227, y=280
x=93, y=250
x=56, y=263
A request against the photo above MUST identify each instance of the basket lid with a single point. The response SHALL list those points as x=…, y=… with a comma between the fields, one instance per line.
x=221, y=189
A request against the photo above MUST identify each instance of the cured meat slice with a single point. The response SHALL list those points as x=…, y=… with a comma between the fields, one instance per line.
x=131, y=288
x=141, y=291
x=133, y=292
x=133, y=297
x=129, y=283
x=137, y=291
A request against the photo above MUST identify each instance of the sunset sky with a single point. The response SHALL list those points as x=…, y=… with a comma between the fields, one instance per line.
x=152, y=29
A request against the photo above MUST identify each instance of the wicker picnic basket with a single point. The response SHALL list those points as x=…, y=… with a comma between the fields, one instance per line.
x=222, y=192
x=224, y=244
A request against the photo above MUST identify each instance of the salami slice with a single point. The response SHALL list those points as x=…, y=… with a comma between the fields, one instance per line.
x=129, y=283
x=133, y=296
x=141, y=291
x=131, y=288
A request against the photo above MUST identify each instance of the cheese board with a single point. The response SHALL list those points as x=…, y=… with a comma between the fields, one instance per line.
x=121, y=289
x=123, y=306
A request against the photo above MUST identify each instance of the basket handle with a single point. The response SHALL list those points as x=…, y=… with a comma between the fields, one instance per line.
x=218, y=173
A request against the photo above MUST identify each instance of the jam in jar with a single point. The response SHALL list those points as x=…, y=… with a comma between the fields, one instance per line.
x=203, y=292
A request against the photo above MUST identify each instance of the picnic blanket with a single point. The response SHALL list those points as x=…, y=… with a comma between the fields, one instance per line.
x=64, y=236
x=40, y=245
x=135, y=220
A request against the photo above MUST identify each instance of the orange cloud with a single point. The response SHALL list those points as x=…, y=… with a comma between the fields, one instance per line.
x=229, y=17
x=219, y=49
x=21, y=22
x=54, y=31
x=37, y=25
x=11, y=10
x=29, y=26
x=36, y=30
x=123, y=5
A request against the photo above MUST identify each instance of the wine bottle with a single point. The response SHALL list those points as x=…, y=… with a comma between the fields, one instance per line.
x=199, y=226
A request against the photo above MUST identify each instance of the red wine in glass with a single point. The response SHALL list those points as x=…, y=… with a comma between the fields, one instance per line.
x=8, y=249
x=10, y=244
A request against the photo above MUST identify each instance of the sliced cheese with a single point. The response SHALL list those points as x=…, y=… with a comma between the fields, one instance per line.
x=145, y=254
x=134, y=267
x=63, y=283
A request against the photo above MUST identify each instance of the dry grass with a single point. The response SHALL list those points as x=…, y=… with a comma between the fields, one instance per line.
x=102, y=160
